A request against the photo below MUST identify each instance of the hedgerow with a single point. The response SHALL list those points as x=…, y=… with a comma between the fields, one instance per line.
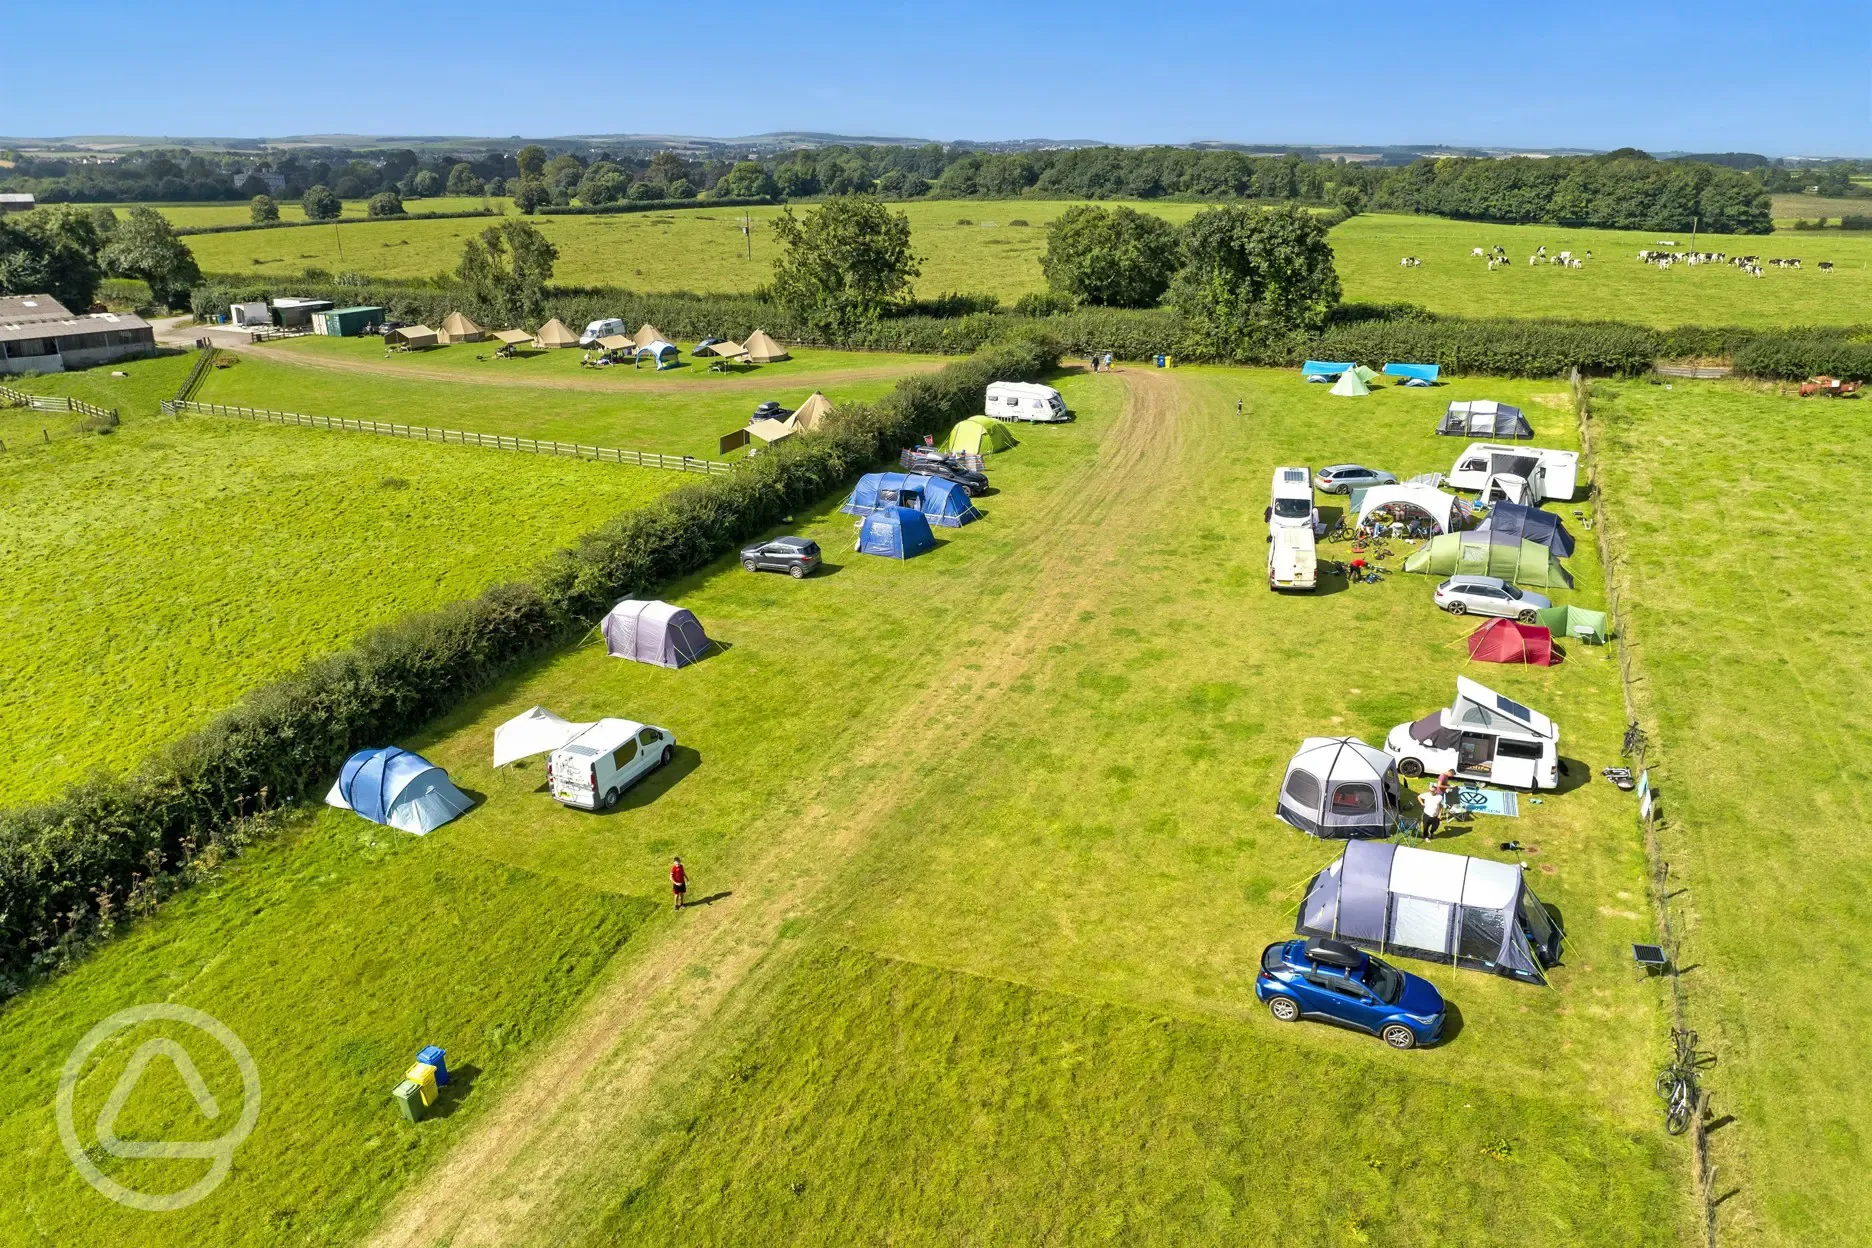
x=399, y=218
x=68, y=866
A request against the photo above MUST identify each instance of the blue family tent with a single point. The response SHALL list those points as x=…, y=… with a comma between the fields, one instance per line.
x=941, y=502
x=895, y=533
x=662, y=354
x=1414, y=374
x=1323, y=370
x=1531, y=524
x=397, y=789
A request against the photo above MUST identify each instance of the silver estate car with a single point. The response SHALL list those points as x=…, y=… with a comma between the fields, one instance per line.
x=1344, y=478
x=1488, y=595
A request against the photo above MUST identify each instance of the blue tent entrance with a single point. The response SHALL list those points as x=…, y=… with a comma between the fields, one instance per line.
x=941, y=502
x=1530, y=524
x=895, y=533
x=397, y=789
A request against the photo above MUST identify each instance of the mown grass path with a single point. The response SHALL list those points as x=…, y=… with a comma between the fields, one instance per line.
x=602, y=1068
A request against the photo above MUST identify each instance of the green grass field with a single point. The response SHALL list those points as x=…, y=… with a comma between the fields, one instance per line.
x=681, y=411
x=187, y=215
x=1791, y=208
x=152, y=576
x=1750, y=630
x=703, y=250
x=1613, y=285
x=989, y=853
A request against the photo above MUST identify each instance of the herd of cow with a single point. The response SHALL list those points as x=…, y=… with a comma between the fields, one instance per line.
x=1497, y=257
x=1754, y=266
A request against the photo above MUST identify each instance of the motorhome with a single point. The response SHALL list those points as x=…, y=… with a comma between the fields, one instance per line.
x=1025, y=400
x=600, y=329
x=1546, y=473
x=1291, y=504
x=1481, y=736
x=592, y=770
x=1292, y=560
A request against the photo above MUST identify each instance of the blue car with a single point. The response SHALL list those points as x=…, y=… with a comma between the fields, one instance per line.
x=1329, y=979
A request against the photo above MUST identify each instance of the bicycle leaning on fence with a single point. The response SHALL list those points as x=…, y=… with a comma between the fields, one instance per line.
x=1677, y=1082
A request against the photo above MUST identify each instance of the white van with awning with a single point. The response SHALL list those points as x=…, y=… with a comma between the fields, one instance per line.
x=1482, y=736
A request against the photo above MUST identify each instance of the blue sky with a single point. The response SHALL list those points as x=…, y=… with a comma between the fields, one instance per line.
x=1781, y=79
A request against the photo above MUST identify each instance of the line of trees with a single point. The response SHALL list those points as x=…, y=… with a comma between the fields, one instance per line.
x=67, y=252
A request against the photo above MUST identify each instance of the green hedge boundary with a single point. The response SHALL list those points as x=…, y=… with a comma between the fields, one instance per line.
x=656, y=205
x=186, y=231
x=68, y=866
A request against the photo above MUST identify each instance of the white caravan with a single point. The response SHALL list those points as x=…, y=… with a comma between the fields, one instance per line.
x=1546, y=474
x=1291, y=504
x=600, y=329
x=1292, y=560
x=592, y=770
x=1481, y=736
x=1024, y=400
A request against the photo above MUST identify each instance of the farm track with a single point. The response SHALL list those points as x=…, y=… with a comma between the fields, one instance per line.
x=496, y=1184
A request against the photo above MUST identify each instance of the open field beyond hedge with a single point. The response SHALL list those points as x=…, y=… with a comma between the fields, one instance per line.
x=988, y=849
x=1752, y=639
x=703, y=250
x=152, y=576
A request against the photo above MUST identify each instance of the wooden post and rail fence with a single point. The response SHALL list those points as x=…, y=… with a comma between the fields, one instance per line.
x=9, y=397
x=458, y=437
x=1642, y=756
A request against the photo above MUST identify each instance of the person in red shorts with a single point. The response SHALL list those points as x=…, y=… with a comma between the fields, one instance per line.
x=679, y=881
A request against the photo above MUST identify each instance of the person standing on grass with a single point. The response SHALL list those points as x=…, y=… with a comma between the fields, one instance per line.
x=1238, y=407
x=679, y=881
x=1432, y=803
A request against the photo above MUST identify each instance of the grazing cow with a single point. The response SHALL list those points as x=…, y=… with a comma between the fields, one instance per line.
x=1826, y=266
x=1541, y=250
x=1475, y=251
x=1565, y=256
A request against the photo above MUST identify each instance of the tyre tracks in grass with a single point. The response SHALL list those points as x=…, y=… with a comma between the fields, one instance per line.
x=498, y=1183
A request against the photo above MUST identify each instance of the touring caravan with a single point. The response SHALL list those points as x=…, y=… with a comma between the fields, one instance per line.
x=1481, y=736
x=1292, y=560
x=1025, y=400
x=600, y=329
x=1547, y=474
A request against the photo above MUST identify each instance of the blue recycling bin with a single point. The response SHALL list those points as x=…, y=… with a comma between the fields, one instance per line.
x=434, y=1057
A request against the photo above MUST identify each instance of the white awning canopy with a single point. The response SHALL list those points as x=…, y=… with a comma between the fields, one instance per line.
x=535, y=731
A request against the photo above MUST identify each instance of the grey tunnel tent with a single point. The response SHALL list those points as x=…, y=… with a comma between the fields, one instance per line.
x=1485, y=418
x=1339, y=786
x=1529, y=524
x=654, y=632
x=1444, y=907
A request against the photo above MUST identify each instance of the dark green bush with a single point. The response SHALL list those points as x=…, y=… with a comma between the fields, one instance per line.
x=68, y=865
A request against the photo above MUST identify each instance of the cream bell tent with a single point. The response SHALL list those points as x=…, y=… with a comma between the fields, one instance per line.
x=458, y=328
x=534, y=731
x=554, y=334
x=646, y=334
x=812, y=412
x=762, y=349
x=768, y=432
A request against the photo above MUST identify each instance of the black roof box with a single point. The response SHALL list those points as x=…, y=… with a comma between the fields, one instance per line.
x=1329, y=952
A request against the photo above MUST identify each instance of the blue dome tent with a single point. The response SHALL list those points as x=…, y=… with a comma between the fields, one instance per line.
x=895, y=533
x=941, y=501
x=662, y=354
x=397, y=789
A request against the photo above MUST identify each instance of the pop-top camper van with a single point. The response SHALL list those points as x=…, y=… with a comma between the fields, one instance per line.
x=1481, y=736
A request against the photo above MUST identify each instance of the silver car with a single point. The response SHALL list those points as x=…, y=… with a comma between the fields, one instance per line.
x=1344, y=478
x=1488, y=595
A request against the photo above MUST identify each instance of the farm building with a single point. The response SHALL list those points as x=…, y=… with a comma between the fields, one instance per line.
x=16, y=201
x=37, y=335
x=292, y=311
x=249, y=315
x=346, y=322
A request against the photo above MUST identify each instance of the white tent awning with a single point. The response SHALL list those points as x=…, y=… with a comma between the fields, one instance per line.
x=535, y=731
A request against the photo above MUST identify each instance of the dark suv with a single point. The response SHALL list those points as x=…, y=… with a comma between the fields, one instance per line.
x=795, y=556
x=937, y=464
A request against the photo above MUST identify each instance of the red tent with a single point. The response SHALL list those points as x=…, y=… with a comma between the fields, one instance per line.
x=1506, y=641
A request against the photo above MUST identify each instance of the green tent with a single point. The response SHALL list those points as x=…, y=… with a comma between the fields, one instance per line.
x=1476, y=553
x=1364, y=374
x=1351, y=384
x=979, y=435
x=1576, y=622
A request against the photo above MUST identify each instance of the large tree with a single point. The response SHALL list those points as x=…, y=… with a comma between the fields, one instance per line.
x=531, y=194
x=53, y=251
x=462, y=180
x=263, y=210
x=320, y=204
x=1121, y=258
x=1254, y=273
x=843, y=264
x=506, y=269
x=145, y=246
x=530, y=160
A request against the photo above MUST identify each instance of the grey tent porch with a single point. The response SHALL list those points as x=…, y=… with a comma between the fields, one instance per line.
x=1524, y=523
x=1484, y=418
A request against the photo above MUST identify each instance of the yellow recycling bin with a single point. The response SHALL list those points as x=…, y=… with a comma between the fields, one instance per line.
x=423, y=1075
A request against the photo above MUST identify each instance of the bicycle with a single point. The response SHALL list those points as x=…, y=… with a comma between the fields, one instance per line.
x=1634, y=741
x=1677, y=1082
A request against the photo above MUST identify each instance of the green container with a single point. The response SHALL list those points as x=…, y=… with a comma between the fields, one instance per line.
x=409, y=1100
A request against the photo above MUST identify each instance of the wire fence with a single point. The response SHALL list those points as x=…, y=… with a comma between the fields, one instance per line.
x=458, y=437
x=1643, y=752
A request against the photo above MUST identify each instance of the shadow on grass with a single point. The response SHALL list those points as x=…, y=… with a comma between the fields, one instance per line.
x=1452, y=1024
x=1574, y=774
x=683, y=760
x=709, y=900
x=460, y=1087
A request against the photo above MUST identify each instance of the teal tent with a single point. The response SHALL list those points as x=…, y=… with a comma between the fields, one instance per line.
x=1575, y=622
x=1482, y=554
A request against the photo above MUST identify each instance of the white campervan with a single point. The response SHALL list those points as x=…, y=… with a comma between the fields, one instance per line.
x=1292, y=561
x=1527, y=471
x=1024, y=400
x=1291, y=501
x=600, y=329
x=592, y=770
x=1481, y=736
